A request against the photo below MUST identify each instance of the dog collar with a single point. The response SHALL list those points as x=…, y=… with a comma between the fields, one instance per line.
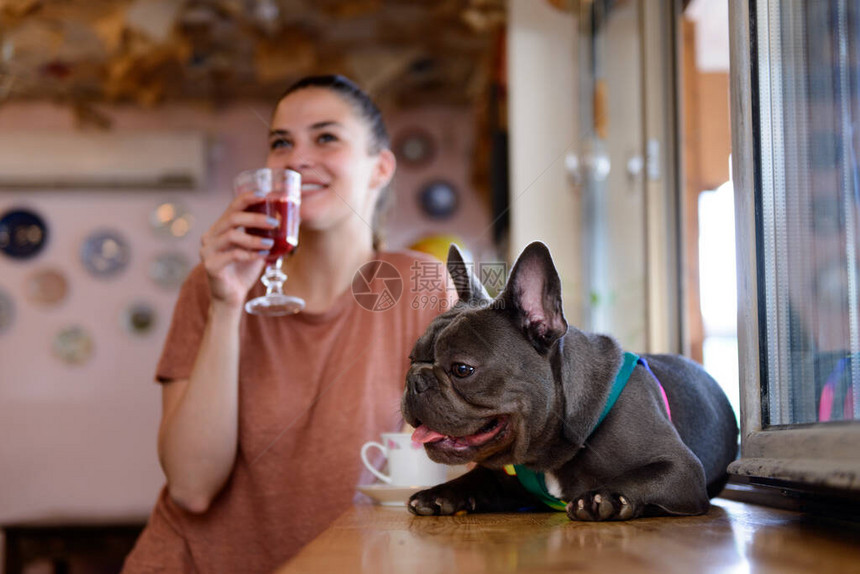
x=533, y=481
x=630, y=361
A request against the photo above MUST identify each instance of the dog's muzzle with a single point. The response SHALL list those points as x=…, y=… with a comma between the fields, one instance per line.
x=421, y=378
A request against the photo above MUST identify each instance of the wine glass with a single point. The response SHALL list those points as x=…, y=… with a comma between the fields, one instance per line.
x=282, y=200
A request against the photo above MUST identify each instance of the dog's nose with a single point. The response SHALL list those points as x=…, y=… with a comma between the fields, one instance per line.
x=420, y=378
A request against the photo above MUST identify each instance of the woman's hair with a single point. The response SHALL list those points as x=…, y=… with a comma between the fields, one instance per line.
x=379, y=140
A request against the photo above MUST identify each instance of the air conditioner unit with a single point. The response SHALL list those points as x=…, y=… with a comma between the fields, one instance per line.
x=42, y=159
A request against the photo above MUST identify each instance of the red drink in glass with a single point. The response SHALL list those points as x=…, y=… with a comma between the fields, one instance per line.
x=286, y=233
x=280, y=195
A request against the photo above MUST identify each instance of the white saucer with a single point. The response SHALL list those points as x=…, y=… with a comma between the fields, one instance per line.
x=387, y=495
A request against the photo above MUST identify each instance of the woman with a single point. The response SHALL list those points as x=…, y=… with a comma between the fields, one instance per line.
x=263, y=418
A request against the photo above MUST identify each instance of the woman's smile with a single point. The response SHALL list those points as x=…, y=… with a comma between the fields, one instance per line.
x=309, y=189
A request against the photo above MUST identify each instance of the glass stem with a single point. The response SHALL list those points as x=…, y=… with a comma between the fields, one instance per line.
x=274, y=278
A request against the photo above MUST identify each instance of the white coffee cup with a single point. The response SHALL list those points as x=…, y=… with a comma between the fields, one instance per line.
x=408, y=464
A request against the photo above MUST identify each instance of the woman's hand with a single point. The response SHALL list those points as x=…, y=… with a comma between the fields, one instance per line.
x=231, y=256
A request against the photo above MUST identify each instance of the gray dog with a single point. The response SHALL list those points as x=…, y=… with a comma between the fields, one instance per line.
x=555, y=417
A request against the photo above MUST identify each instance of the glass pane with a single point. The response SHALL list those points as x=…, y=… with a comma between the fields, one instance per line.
x=809, y=134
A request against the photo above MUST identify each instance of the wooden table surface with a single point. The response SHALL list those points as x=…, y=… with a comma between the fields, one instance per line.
x=732, y=537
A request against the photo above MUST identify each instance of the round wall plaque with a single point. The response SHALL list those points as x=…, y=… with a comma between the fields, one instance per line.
x=169, y=270
x=23, y=233
x=47, y=287
x=138, y=318
x=73, y=345
x=105, y=253
x=414, y=148
x=171, y=219
x=439, y=199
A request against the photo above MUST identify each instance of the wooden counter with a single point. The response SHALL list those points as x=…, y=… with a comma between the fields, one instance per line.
x=732, y=537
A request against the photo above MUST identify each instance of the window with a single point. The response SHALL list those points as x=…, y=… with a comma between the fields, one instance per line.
x=717, y=281
x=796, y=124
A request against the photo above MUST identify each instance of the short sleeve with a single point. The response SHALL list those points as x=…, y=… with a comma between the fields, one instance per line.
x=186, y=328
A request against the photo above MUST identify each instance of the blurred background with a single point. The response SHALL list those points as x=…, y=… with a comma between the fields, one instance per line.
x=594, y=126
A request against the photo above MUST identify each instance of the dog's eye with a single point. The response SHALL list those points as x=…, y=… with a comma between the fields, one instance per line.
x=461, y=370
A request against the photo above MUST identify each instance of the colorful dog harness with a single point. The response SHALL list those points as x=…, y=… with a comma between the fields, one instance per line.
x=534, y=481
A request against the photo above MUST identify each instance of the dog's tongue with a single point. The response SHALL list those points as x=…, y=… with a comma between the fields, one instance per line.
x=423, y=435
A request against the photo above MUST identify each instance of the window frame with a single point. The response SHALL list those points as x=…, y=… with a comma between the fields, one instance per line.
x=811, y=457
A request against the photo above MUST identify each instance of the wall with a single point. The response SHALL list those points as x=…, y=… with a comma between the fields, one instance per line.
x=79, y=441
x=452, y=130
x=543, y=123
x=622, y=296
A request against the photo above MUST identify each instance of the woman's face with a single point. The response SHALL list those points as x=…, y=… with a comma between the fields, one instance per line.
x=317, y=133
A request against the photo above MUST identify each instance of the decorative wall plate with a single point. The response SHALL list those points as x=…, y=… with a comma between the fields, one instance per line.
x=23, y=233
x=105, y=253
x=7, y=311
x=73, y=345
x=439, y=199
x=171, y=219
x=47, y=287
x=414, y=148
x=169, y=270
x=138, y=318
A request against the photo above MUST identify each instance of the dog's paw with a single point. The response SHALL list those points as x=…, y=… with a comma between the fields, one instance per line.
x=440, y=501
x=598, y=506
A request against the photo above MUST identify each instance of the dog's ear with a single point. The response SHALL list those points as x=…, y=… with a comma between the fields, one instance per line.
x=533, y=295
x=469, y=287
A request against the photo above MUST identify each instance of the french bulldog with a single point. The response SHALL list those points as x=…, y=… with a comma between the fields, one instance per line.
x=508, y=385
